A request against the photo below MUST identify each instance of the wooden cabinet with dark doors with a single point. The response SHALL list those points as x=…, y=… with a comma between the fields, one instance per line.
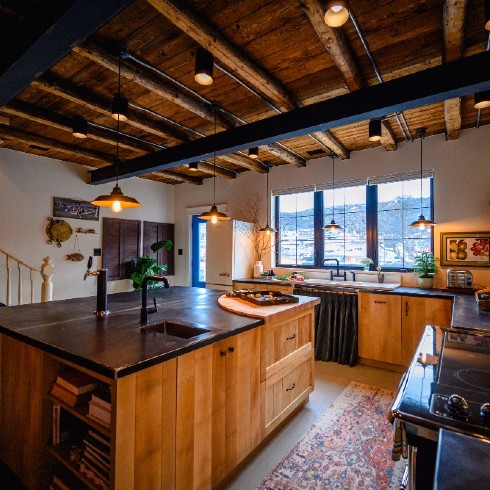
x=120, y=244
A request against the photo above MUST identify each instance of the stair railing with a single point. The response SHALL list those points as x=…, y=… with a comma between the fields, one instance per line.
x=46, y=270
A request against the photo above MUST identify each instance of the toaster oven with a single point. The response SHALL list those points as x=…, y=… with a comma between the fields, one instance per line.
x=459, y=278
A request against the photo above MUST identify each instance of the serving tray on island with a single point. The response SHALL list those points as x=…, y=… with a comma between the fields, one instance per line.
x=264, y=297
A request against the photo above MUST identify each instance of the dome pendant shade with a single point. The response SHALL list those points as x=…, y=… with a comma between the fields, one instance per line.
x=482, y=99
x=375, y=130
x=333, y=226
x=120, y=108
x=268, y=229
x=116, y=200
x=422, y=222
x=214, y=215
x=203, y=71
x=337, y=13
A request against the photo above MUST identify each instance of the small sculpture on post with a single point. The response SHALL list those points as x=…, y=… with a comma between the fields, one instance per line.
x=47, y=272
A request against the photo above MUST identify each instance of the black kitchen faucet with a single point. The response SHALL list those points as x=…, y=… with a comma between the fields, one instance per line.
x=146, y=310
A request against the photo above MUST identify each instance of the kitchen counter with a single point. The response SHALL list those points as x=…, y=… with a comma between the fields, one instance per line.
x=465, y=310
x=115, y=346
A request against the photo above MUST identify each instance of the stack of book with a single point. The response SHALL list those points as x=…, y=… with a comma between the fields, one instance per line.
x=99, y=407
x=95, y=462
x=73, y=387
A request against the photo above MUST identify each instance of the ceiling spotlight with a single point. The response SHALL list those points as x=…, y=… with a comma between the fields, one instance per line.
x=203, y=71
x=193, y=167
x=482, y=99
x=337, y=13
x=79, y=125
x=120, y=108
x=375, y=130
x=253, y=152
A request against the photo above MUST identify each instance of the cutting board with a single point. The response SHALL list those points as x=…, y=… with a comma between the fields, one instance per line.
x=237, y=305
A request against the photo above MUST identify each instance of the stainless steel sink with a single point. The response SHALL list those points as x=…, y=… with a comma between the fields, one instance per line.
x=175, y=329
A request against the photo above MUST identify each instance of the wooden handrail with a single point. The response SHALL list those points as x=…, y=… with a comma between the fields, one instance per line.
x=46, y=270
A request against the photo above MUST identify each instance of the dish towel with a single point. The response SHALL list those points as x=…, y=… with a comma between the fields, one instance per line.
x=399, y=441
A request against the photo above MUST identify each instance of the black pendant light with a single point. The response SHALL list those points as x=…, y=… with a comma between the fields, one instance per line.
x=375, y=130
x=253, y=152
x=333, y=226
x=213, y=214
x=119, y=103
x=422, y=222
x=79, y=125
x=267, y=228
x=193, y=166
x=116, y=200
x=203, y=69
x=336, y=13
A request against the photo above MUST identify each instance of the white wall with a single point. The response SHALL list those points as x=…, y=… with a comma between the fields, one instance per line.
x=461, y=187
x=28, y=184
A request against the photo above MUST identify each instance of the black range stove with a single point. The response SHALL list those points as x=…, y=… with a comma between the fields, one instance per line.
x=446, y=386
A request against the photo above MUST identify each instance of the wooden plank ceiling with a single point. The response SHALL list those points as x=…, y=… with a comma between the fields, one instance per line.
x=270, y=57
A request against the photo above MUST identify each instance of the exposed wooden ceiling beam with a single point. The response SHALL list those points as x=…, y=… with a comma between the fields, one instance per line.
x=331, y=142
x=187, y=20
x=89, y=100
x=238, y=62
x=33, y=139
x=284, y=155
x=335, y=43
x=53, y=120
x=245, y=162
x=453, y=44
x=151, y=82
x=208, y=168
x=79, y=21
x=455, y=79
x=387, y=137
x=180, y=177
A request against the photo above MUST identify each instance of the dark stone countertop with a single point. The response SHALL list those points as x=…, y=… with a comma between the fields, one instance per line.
x=462, y=462
x=465, y=309
x=115, y=346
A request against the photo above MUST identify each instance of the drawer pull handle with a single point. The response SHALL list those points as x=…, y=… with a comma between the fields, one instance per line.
x=381, y=302
x=292, y=337
x=231, y=349
x=222, y=353
x=406, y=308
x=292, y=387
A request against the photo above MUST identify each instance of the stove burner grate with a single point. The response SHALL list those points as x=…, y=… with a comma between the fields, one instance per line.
x=474, y=378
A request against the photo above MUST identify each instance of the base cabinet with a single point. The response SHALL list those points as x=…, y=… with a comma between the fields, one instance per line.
x=390, y=326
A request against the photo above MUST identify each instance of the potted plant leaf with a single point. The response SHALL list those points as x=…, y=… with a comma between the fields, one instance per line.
x=147, y=266
x=425, y=267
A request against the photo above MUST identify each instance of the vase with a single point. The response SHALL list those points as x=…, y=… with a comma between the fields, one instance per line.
x=426, y=282
x=258, y=269
x=366, y=267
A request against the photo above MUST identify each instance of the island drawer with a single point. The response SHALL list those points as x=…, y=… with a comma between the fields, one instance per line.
x=284, y=341
x=286, y=390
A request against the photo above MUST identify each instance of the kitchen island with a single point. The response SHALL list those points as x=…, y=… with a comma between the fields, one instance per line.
x=185, y=412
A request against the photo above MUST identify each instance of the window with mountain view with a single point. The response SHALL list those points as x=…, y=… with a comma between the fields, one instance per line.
x=375, y=223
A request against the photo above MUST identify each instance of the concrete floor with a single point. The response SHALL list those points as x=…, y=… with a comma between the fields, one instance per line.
x=330, y=380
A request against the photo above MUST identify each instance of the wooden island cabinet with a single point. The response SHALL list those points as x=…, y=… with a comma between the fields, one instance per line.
x=186, y=422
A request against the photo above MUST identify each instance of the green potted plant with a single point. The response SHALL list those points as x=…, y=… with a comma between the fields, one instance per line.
x=147, y=266
x=366, y=262
x=425, y=267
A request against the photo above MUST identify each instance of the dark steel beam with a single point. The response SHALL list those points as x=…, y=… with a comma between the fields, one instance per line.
x=78, y=22
x=455, y=79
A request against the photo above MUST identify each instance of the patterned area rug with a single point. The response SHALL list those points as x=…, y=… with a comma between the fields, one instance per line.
x=348, y=447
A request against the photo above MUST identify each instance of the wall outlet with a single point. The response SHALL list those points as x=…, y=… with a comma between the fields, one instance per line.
x=180, y=251
x=97, y=252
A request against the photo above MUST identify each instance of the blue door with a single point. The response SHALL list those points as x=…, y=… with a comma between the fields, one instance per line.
x=198, y=252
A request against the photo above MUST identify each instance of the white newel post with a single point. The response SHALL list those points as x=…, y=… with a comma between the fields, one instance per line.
x=47, y=271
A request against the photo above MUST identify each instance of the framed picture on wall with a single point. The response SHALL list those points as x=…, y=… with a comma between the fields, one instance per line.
x=72, y=208
x=465, y=249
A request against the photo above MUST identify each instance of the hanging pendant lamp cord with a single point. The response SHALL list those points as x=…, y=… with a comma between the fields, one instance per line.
x=421, y=142
x=118, y=120
x=214, y=163
x=267, y=193
x=333, y=188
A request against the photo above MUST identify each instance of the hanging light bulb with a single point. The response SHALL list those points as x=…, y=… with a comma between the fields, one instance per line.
x=213, y=214
x=333, y=226
x=116, y=200
x=267, y=228
x=203, y=70
x=337, y=13
x=422, y=222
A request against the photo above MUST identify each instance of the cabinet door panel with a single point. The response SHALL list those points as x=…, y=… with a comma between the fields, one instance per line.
x=380, y=327
x=416, y=314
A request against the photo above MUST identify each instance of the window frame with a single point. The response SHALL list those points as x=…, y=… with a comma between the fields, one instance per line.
x=371, y=229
